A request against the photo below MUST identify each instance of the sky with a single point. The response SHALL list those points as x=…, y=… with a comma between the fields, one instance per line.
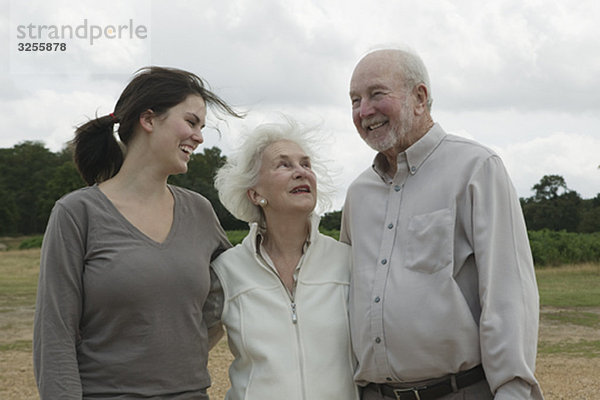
x=519, y=76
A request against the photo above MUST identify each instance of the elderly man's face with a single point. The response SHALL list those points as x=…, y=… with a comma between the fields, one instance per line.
x=382, y=110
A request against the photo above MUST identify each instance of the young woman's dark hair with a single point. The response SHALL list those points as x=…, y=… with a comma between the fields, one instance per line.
x=97, y=153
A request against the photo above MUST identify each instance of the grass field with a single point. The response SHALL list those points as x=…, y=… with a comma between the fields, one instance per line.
x=568, y=364
x=575, y=286
x=570, y=296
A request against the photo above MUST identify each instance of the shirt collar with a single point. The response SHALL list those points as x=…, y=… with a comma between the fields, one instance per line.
x=414, y=156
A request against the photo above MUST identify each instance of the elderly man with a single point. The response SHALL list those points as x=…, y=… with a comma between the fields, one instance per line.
x=444, y=302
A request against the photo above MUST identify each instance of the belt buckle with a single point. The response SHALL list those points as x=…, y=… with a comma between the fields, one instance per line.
x=413, y=390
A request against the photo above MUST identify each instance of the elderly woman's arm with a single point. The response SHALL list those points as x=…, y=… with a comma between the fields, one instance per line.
x=213, y=308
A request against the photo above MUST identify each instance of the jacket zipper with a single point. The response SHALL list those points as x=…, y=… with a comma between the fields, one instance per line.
x=299, y=349
x=295, y=323
x=294, y=315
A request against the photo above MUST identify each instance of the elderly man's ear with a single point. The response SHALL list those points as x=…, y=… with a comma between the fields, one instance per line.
x=421, y=97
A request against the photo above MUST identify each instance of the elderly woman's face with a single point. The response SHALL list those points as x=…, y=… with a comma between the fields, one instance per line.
x=286, y=179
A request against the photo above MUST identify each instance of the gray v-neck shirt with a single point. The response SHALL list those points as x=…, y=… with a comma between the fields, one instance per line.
x=117, y=313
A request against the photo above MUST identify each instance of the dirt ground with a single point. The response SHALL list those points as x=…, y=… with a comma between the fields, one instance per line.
x=562, y=376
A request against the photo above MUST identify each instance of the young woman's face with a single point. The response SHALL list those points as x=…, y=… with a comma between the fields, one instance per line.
x=286, y=179
x=177, y=133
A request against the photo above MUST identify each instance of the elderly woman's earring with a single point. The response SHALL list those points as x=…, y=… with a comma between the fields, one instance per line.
x=262, y=202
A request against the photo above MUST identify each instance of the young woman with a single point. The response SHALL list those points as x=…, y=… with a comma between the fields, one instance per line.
x=124, y=277
x=286, y=286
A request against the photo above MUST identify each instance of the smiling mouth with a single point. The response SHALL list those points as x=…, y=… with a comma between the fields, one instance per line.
x=372, y=127
x=186, y=149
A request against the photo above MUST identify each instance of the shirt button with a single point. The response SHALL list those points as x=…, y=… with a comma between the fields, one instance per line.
x=390, y=226
x=384, y=261
x=413, y=168
x=397, y=188
x=388, y=379
x=377, y=299
x=377, y=340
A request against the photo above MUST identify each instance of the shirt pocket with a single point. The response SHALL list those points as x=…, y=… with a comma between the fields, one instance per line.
x=430, y=241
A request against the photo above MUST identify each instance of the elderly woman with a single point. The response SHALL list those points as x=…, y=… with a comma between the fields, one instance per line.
x=286, y=285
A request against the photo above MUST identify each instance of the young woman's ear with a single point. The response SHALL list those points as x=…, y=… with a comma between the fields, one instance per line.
x=147, y=120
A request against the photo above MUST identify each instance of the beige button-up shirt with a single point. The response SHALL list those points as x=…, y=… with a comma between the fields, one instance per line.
x=443, y=276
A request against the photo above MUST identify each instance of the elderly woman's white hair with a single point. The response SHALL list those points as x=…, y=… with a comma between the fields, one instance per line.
x=241, y=170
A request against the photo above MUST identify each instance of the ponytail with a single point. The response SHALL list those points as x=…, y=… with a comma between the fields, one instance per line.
x=97, y=153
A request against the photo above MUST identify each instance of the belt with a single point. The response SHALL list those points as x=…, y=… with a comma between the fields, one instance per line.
x=433, y=391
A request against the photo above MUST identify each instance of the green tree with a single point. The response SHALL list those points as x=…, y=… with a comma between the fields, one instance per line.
x=331, y=220
x=590, y=215
x=548, y=209
x=62, y=179
x=9, y=214
x=548, y=187
x=24, y=170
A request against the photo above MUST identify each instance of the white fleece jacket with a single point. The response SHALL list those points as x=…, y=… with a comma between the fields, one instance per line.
x=288, y=348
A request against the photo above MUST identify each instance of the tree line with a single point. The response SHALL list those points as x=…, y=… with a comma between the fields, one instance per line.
x=555, y=207
x=32, y=178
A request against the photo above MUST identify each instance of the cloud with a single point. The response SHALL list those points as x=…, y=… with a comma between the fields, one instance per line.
x=50, y=116
x=530, y=55
x=270, y=54
x=85, y=37
x=507, y=73
x=573, y=156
